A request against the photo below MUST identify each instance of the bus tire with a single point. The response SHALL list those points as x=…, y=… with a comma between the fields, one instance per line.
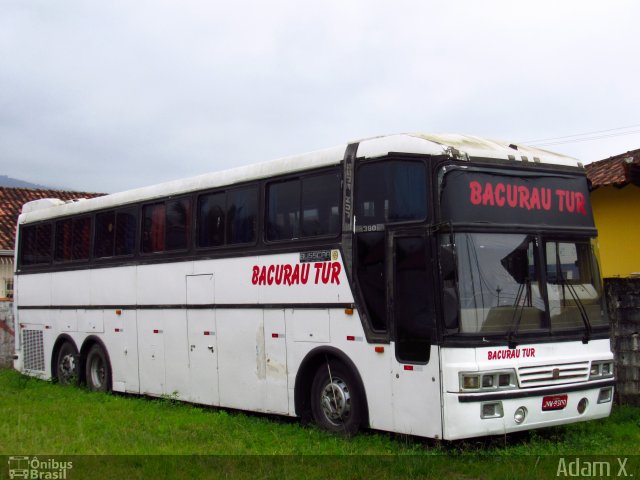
x=66, y=372
x=337, y=404
x=98, y=370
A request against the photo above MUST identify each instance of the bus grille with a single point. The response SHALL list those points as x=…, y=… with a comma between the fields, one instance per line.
x=557, y=374
x=33, y=348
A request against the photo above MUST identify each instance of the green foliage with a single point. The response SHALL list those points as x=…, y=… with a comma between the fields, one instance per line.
x=49, y=419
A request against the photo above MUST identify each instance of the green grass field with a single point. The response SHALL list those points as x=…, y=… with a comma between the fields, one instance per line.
x=45, y=419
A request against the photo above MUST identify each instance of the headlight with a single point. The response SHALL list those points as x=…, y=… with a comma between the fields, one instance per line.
x=487, y=381
x=470, y=381
x=601, y=369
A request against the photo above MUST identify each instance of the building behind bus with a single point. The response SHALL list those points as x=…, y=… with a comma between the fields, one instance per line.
x=615, y=199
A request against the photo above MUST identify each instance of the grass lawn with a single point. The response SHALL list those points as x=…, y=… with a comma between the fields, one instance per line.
x=118, y=435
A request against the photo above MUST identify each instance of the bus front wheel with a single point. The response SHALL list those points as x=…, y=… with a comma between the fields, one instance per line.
x=336, y=401
x=98, y=370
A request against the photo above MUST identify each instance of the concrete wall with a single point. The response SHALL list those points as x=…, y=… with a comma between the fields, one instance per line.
x=623, y=296
x=6, y=276
x=7, y=345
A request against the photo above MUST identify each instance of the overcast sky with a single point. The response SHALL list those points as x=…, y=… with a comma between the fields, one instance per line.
x=111, y=95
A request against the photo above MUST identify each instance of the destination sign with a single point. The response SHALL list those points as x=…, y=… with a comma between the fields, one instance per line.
x=520, y=198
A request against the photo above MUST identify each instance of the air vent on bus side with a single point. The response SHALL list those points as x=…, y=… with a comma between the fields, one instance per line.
x=33, y=348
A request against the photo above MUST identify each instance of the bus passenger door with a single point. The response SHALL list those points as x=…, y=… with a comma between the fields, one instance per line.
x=416, y=372
x=202, y=335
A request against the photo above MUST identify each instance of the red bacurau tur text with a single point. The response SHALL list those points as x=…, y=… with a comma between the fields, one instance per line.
x=507, y=195
x=299, y=274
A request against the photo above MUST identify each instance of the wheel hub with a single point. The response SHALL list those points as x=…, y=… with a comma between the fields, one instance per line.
x=97, y=372
x=335, y=401
x=67, y=370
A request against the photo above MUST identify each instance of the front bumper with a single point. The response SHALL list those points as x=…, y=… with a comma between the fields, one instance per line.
x=463, y=412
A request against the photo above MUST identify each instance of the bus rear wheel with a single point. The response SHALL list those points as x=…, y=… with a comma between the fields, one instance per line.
x=336, y=401
x=98, y=370
x=67, y=364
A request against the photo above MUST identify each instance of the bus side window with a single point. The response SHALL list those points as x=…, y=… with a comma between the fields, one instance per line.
x=242, y=215
x=283, y=210
x=304, y=207
x=105, y=229
x=320, y=201
x=72, y=239
x=81, y=238
x=126, y=221
x=62, y=246
x=36, y=244
x=115, y=233
x=167, y=226
x=211, y=220
x=178, y=224
x=392, y=191
x=153, y=228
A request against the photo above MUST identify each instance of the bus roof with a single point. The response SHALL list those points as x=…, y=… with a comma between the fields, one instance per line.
x=467, y=146
x=460, y=146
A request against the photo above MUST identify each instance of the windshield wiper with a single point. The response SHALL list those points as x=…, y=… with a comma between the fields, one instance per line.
x=517, y=312
x=576, y=299
x=581, y=309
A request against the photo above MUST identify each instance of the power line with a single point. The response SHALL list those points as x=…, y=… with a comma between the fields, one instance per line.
x=586, y=139
x=582, y=135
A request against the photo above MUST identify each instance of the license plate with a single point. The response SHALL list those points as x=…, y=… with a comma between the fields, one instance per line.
x=554, y=402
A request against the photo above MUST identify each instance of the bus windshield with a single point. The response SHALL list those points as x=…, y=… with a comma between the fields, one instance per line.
x=519, y=283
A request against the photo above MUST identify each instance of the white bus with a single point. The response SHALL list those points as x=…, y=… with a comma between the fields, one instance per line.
x=440, y=286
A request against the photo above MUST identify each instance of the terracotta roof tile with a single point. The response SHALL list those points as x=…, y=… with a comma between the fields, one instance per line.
x=618, y=171
x=11, y=201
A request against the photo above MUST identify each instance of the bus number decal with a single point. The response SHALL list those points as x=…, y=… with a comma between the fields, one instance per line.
x=299, y=274
x=370, y=228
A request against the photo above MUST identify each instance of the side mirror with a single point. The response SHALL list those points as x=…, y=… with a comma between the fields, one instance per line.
x=449, y=294
x=447, y=262
x=450, y=308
